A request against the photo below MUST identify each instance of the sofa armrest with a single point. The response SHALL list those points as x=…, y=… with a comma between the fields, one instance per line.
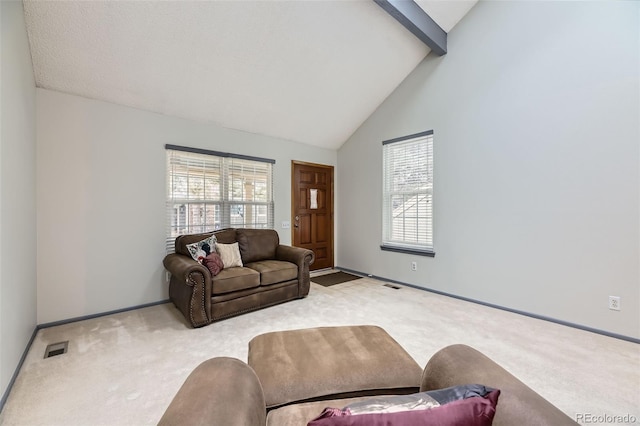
x=301, y=257
x=518, y=404
x=189, y=288
x=220, y=391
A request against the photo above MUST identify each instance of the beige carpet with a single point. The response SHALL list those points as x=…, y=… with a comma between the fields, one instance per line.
x=124, y=369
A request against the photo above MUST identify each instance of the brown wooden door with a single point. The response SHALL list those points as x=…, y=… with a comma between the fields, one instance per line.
x=312, y=210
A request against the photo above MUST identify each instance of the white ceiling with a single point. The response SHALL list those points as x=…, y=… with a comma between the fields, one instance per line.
x=307, y=71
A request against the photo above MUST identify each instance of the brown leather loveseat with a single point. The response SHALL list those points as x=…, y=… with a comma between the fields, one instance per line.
x=272, y=273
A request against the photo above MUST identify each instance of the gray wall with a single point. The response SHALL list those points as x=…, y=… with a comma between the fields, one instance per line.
x=101, y=198
x=535, y=111
x=17, y=191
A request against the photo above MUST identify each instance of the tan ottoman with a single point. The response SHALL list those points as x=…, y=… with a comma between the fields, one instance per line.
x=331, y=362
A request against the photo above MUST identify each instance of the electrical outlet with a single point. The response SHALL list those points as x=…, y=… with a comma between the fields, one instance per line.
x=414, y=266
x=614, y=303
x=167, y=276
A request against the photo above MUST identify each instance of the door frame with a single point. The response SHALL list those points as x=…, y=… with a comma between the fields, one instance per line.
x=331, y=169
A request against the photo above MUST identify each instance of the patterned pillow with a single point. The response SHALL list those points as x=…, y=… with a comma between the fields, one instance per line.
x=201, y=249
x=230, y=254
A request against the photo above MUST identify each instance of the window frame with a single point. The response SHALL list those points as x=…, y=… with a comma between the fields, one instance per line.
x=221, y=172
x=423, y=246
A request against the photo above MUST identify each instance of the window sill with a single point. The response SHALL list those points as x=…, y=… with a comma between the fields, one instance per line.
x=418, y=252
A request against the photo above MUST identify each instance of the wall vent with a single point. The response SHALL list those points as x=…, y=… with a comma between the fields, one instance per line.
x=55, y=349
x=395, y=287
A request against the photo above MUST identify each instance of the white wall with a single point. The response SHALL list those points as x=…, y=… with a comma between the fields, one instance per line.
x=536, y=112
x=101, y=198
x=17, y=191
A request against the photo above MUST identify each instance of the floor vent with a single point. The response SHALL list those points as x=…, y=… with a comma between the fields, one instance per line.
x=395, y=287
x=55, y=349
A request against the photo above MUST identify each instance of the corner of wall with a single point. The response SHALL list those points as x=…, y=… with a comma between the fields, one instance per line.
x=17, y=192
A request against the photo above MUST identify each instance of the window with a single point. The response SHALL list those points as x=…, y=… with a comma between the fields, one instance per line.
x=407, y=217
x=209, y=190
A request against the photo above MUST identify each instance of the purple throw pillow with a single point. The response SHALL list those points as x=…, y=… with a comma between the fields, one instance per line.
x=213, y=262
x=475, y=411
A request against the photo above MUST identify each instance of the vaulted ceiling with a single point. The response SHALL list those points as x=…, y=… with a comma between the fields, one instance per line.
x=307, y=71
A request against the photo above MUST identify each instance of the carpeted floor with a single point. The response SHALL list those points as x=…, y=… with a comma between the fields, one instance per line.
x=327, y=280
x=124, y=369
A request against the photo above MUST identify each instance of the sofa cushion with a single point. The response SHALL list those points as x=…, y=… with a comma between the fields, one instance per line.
x=331, y=362
x=234, y=279
x=257, y=244
x=226, y=236
x=274, y=271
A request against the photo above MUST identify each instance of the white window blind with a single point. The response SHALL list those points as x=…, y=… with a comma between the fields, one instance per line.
x=208, y=190
x=408, y=193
